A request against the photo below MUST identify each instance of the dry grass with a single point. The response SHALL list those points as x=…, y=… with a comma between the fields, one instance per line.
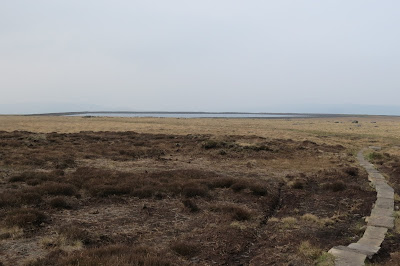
x=118, y=255
x=296, y=184
x=385, y=129
x=397, y=222
x=288, y=222
x=310, y=218
x=309, y=251
x=11, y=232
x=60, y=242
x=315, y=255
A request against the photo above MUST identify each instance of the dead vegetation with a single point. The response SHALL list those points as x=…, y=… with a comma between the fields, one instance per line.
x=123, y=198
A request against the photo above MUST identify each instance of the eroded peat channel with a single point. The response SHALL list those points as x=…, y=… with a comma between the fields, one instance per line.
x=157, y=199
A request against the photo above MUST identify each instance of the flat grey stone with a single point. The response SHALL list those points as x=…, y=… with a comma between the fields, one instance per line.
x=375, y=232
x=384, y=193
x=370, y=241
x=371, y=170
x=381, y=221
x=384, y=203
x=382, y=212
x=368, y=250
x=345, y=256
x=380, y=186
x=376, y=175
x=381, y=181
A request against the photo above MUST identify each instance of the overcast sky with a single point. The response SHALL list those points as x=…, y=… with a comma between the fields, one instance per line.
x=180, y=55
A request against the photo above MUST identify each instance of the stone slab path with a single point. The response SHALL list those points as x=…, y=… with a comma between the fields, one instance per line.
x=378, y=223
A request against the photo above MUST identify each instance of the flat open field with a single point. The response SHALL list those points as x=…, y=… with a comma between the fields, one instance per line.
x=152, y=191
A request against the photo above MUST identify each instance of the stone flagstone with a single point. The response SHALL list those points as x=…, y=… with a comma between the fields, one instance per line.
x=384, y=193
x=384, y=203
x=347, y=257
x=382, y=212
x=380, y=220
x=366, y=249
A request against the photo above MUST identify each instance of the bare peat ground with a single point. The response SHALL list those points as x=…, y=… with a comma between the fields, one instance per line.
x=123, y=198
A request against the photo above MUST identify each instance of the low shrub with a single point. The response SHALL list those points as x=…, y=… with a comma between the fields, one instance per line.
x=18, y=178
x=258, y=189
x=296, y=184
x=145, y=192
x=60, y=203
x=236, y=212
x=195, y=190
x=52, y=188
x=102, y=190
x=185, y=248
x=29, y=197
x=8, y=199
x=34, y=178
x=240, y=214
x=211, y=144
x=352, y=171
x=239, y=185
x=34, y=182
x=106, y=255
x=258, y=148
x=25, y=218
x=334, y=186
x=16, y=199
x=74, y=233
x=191, y=205
x=66, y=163
x=221, y=182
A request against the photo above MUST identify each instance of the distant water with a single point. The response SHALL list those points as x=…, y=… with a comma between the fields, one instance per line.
x=193, y=115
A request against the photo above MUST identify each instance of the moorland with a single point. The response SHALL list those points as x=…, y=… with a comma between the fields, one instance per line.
x=166, y=191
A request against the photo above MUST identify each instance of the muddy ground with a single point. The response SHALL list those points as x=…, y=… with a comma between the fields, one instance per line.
x=150, y=199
